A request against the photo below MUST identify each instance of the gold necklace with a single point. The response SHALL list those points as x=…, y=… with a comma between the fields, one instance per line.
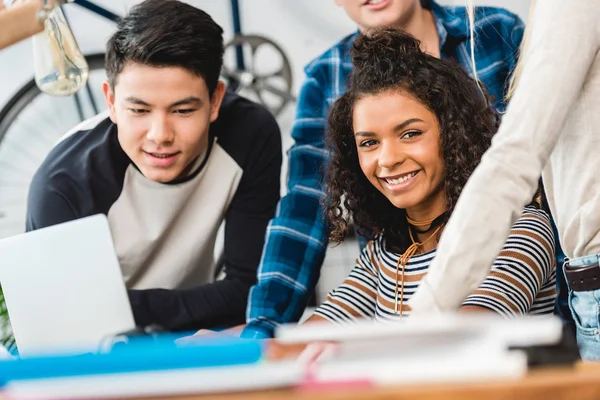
x=421, y=224
x=412, y=249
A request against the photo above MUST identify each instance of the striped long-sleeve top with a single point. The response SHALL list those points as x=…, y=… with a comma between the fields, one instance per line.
x=296, y=239
x=521, y=281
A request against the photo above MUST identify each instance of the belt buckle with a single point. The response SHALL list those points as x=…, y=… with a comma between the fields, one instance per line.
x=595, y=264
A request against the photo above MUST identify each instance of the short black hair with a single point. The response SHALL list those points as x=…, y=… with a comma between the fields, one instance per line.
x=167, y=33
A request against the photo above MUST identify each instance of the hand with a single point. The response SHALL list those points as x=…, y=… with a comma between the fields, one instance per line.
x=317, y=352
x=207, y=334
x=18, y=3
x=51, y=3
x=303, y=353
x=276, y=350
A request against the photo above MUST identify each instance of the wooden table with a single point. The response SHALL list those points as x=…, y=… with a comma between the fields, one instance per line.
x=580, y=382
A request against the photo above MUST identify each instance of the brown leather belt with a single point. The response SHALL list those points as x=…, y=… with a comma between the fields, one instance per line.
x=583, y=279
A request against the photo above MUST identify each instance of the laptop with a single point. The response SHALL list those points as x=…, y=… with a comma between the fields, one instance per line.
x=63, y=288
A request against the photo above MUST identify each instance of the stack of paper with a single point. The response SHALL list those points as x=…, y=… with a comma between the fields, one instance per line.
x=439, y=349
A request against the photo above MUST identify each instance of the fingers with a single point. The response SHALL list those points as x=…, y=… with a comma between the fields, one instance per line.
x=278, y=351
x=18, y=3
x=316, y=352
x=201, y=334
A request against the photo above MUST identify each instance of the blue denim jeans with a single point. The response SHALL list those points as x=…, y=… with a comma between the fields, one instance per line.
x=585, y=308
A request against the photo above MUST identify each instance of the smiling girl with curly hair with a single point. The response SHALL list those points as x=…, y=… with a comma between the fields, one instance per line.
x=405, y=138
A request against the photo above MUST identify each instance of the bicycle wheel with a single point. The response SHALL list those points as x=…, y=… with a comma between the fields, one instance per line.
x=267, y=74
x=30, y=125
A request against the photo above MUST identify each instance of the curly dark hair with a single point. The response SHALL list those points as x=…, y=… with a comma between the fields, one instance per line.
x=386, y=60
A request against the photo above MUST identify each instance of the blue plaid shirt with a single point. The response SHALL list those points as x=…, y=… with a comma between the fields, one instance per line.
x=296, y=239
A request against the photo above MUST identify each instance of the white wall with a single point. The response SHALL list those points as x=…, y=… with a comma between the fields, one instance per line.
x=304, y=28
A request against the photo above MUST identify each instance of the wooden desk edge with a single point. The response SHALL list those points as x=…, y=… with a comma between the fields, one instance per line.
x=581, y=382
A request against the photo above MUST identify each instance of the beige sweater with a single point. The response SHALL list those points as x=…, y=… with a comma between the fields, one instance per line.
x=552, y=125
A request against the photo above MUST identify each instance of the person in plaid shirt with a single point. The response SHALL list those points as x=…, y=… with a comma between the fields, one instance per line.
x=296, y=239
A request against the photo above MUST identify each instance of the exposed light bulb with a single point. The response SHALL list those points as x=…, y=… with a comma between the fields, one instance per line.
x=60, y=68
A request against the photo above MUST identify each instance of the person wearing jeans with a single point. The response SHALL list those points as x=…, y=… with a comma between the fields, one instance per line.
x=583, y=279
x=551, y=127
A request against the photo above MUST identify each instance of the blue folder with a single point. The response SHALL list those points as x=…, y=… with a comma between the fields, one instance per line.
x=139, y=355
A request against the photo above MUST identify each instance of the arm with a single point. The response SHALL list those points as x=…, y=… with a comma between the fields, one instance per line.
x=356, y=297
x=19, y=22
x=297, y=237
x=521, y=272
x=512, y=43
x=564, y=42
x=223, y=303
x=50, y=202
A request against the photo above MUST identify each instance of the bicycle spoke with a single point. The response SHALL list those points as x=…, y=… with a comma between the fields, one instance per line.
x=10, y=184
x=277, y=74
x=27, y=125
x=30, y=131
x=78, y=106
x=285, y=95
x=30, y=157
x=10, y=167
x=258, y=94
x=36, y=122
x=30, y=125
x=88, y=89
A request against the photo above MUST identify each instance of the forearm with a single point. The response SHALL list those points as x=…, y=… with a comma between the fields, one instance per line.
x=296, y=239
x=20, y=22
x=473, y=238
x=294, y=252
x=215, y=305
x=276, y=300
x=509, y=172
x=474, y=309
x=316, y=318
